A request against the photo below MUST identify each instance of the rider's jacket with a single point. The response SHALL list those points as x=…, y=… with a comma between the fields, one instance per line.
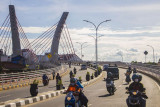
x=44, y=77
x=73, y=88
x=136, y=86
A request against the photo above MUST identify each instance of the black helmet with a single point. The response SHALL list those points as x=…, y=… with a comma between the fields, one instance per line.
x=134, y=69
x=109, y=74
x=135, y=76
x=73, y=81
x=129, y=68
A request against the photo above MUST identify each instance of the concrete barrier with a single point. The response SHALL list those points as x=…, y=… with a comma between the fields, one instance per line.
x=150, y=74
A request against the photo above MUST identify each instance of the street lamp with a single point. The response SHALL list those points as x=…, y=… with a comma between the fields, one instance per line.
x=81, y=46
x=121, y=56
x=153, y=52
x=96, y=28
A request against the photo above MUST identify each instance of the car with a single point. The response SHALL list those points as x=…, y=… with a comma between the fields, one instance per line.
x=94, y=64
x=83, y=67
x=105, y=67
x=114, y=70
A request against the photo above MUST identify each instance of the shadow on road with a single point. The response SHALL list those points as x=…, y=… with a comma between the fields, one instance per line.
x=125, y=84
x=41, y=86
x=28, y=97
x=106, y=95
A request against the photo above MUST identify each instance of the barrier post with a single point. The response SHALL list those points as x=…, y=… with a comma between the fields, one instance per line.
x=2, y=82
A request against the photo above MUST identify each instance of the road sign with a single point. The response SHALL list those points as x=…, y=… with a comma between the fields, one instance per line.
x=49, y=55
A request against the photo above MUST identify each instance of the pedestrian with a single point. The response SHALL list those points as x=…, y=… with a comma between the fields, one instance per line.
x=71, y=73
x=57, y=78
x=75, y=70
x=53, y=73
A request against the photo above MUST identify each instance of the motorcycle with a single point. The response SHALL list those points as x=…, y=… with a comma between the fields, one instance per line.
x=135, y=98
x=70, y=100
x=45, y=82
x=128, y=79
x=75, y=71
x=110, y=86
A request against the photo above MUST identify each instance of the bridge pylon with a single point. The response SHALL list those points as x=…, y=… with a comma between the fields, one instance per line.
x=56, y=38
x=16, y=47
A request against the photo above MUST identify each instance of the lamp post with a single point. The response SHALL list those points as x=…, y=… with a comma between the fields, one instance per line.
x=153, y=52
x=121, y=56
x=81, y=46
x=96, y=28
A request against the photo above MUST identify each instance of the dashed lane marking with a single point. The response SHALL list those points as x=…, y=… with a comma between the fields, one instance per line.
x=89, y=105
x=5, y=96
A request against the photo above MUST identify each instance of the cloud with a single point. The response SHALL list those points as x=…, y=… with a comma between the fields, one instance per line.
x=133, y=50
x=35, y=29
x=104, y=31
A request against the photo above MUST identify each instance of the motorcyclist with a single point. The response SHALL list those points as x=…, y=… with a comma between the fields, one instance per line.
x=129, y=70
x=136, y=85
x=75, y=70
x=73, y=85
x=45, y=77
x=134, y=70
x=76, y=86
x=77, y=82
x=110, y=78
x=127, y=74
x=71, y=73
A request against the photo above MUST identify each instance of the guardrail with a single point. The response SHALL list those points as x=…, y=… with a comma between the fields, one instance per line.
x=26, y=77
x=153, y=73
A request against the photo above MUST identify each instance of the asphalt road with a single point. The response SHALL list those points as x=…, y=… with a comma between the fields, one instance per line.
x=99, y=97
x=24, y=92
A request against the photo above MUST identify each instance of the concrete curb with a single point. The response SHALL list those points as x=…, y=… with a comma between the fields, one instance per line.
x=45, y=96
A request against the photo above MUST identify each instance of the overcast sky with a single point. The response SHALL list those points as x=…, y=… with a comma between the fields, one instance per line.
x=134, y=24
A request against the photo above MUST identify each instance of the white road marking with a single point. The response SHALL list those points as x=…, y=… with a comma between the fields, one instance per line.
x=157, y=85
x=5, y=96
x=89, y=105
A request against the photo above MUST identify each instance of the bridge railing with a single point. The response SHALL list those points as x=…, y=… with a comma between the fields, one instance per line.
x=154, y=73
x=25, y=77
x=147, y=70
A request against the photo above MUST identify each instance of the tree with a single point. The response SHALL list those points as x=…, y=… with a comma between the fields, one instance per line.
x=145, y=53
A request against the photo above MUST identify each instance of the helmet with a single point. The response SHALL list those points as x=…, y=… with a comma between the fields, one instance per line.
x=135, y=76
x=109, y=74
x=73, y=81
x=129, y=68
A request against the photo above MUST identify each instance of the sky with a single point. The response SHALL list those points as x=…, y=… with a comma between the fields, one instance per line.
x=134, y=25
